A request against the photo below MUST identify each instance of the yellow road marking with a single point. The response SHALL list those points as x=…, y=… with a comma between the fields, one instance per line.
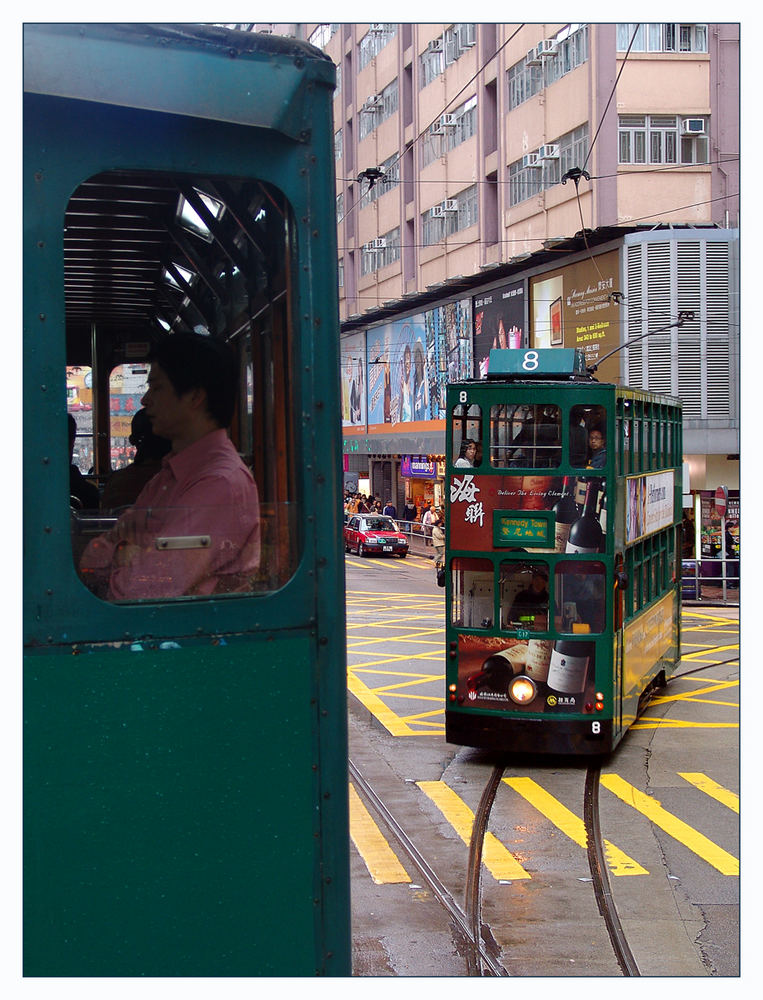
x=394, y=724
x=500, y=862
x=704, y=848
x=381, y=861
x=569, y=824
x=712, y=788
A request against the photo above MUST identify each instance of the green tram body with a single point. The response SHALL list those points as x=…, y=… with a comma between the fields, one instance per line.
x=499, y=524
x=185, y=761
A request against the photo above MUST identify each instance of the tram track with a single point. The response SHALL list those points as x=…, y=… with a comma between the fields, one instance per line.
x=481, y=958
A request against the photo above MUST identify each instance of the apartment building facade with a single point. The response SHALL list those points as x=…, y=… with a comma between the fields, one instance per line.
x=485, y=171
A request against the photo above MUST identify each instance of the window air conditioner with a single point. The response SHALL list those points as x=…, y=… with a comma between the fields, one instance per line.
x=532, y=58
x=450, y=205
x=376, y=29
x=547, y=47
x=379, y=244
x=435, y=45
x=436, y=212
x=550, y=152
x=693, y=126
x=372, y=102
x=448, y=121
x=530, y=160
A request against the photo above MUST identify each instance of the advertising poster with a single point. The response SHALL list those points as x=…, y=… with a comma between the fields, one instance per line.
x=398, y=383
x=486, y=665
x=573, y=307
x=449, y=350
x=499, y=321
x=532, y=512
x=353, y=371
x=650, y=505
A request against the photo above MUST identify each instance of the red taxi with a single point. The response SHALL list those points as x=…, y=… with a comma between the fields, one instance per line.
x=368, y=534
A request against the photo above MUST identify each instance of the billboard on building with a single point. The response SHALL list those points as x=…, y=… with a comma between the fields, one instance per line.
x=449, y=350
x=353, y=369
x=574, y=307
x=499, y=321
x=398, y=390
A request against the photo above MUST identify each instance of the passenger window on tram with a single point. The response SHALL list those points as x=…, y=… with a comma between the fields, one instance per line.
x=473, y=593
x=525, y=436
x=580, y=597
x=174, y=533
x=588, y=437
x=467, y=436
x=524, y=595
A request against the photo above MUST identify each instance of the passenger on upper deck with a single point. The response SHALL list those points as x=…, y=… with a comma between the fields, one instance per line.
x=125, y=484
x=597, y=446
x=195, y=527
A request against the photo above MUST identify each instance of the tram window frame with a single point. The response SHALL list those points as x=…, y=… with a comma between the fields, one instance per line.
x=566, y=618
x=590, y=417
x=501, y=450
x=509, y=572
x=264, y=334
x=483, y=572
x=466, y=423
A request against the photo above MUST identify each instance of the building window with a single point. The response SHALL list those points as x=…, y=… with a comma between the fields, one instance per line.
x=338, y=145
x=571, y=47
x=371, y=44
x=442, y=52
x=340, y=272
x=377, y=108
x=662, y=37
x=545, y=166
x=662, y=139
x=391, y=179
x=449, y=131
x=380, y=252
x=548, y=62
x=339, y=207
x=525, y=79
x=322, y=34
x=450, y=216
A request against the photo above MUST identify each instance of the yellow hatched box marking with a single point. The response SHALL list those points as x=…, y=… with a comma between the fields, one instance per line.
x=704, y=848
x=499, y=861
x=563, y=819
x=381, y=861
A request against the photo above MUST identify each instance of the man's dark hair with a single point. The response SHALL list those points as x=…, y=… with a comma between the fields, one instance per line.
x=191, y=361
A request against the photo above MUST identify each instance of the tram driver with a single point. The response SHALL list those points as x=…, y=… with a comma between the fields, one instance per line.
x=195, y=527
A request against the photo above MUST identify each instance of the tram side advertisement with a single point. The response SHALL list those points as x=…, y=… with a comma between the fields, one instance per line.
x=527, y=518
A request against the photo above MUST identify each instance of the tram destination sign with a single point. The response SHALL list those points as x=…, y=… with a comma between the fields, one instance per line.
x=523, y=530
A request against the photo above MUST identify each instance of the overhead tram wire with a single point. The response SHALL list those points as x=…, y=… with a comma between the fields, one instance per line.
x=422, y=133
x=577, y=172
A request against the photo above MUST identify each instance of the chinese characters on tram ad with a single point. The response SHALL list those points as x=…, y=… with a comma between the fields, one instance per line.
x=523, y=519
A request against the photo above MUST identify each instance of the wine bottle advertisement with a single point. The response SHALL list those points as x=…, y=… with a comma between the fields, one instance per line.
x=575, y=506
x=563, y=671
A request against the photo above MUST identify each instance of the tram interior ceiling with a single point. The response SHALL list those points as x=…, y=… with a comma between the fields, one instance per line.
x=146, y=253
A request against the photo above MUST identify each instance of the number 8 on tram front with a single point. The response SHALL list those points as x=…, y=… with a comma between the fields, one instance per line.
x=563, y=582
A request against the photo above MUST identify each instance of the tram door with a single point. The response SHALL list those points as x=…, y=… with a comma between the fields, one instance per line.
x=185, y=782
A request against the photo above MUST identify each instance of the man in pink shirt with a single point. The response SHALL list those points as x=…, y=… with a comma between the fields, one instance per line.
x=195, y=527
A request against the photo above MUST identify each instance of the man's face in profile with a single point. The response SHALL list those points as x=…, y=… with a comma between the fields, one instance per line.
x=169, y=413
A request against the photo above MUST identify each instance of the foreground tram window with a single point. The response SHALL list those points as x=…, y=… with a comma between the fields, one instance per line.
x=213, y=414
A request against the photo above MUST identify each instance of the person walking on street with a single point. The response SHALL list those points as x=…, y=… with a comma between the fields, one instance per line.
x=438, y=540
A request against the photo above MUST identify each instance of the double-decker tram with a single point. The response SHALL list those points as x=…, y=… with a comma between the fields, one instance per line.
x=185, y=756
x=562, y=552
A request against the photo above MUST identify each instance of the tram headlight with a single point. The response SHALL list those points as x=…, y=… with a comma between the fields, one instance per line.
x=522, y=690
